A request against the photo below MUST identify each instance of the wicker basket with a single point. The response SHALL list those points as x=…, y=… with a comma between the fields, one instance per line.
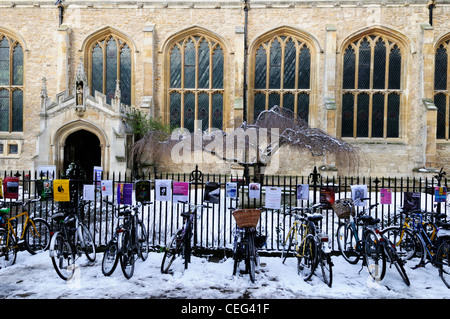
x=344, y=208
x=246, y=218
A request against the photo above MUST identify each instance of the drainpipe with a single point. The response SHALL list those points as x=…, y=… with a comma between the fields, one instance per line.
x=244, y=106
x=431, y=5
x=58, y=3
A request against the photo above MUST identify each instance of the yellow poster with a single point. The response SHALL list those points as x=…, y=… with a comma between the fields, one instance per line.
x=61, y=191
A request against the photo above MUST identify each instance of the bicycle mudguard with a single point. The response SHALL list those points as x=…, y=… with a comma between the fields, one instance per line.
x=51, y=251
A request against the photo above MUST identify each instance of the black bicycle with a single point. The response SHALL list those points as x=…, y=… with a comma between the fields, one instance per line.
x=129, y=240
x=180, y=243
x=71, y=240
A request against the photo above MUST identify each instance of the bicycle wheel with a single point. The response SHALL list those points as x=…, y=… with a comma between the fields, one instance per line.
x=374, y=256
x=250, y=256
x=86, y=242
x=327, y=268
x=37, y=236
x=127, y=256
x=63, y=259
x=287, y=245
x=110, y=258
x=306, y=261
x=8, y=249
x=405, y=241
x=172, y=251
x=401, y=269
x=443, y=262
x=347, y=244
x=142, y=240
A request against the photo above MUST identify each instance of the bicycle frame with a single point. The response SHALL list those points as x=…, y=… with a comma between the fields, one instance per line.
x=10, y=227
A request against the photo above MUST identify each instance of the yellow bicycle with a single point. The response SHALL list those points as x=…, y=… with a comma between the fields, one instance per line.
x=34, y=235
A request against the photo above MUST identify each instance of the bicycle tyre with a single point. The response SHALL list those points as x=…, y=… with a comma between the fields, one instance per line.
x=401, y=270
x=347, y=244
x=62, y=256
x=250, y=256
x=110, y=258
x=374, y=256
x=88, y=245
x=127, y=256
x=186, y=253
x=171, y=252
x=327, y=268
x=307, y=258
x=443, y=261
x=142, y=240
x=406, y=243
x=37, y=242
x=287, y=246
x=237, y=255
x=8, y=249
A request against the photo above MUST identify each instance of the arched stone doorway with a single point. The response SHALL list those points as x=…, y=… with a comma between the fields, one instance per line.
x=84, y=148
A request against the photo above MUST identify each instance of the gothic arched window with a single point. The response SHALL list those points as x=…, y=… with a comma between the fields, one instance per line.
x=282, y=75
x=442, y=89
x=196, y=86
x=371, y=88
x=11, y=85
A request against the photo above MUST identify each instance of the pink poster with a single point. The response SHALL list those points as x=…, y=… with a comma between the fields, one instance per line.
x=180, y=192
x=386, y=196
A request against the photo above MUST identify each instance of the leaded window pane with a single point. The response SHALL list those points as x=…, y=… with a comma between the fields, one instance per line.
x=203, y=110
x=175, y=109
x=349, y=68
x=377, y=115
x=4, y=110
x=17, y=111
x=275, y=65
x=347, y=114
x=289, y=102
x=217, y=76
x=189, y=64
x=274, y=99
x=259, y=105
x=364, y=65
x=393, y=116
x=97, y=69
x=4, y=61
x=111, y=69
x=18, y=65
x=440, y=101
x=289, y=65
x=175, y=68
x=379, y=65
x=362, y=125
x=125, y=75
x=304, y=68
x=203, y=65
x=189, y=111
x=217, y=111
x=440, y=69
x=395, y=66
x=303, y=106
x=260, y=68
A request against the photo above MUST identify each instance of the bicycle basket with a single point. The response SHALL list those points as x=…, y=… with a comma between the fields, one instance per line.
x=344, y=208
x=246, y=218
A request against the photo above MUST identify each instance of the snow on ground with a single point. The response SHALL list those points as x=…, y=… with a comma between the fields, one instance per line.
x=33, y=277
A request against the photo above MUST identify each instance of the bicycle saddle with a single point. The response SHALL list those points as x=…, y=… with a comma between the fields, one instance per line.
x=443, y=225
x=314, y=217
x=57, y=215
x=185, y=214
x=4, y=211
x=369, y=220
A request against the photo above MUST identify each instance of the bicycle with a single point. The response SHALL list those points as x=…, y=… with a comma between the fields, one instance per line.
x=180, y=242
x=34, y=236
x=354, y=244
x=129, y=239
x=245, y=247
x=71, y=240
x=314, y=247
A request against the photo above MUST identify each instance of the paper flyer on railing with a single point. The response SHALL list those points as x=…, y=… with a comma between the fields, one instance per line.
x=180, y=192
x=61, y=190
x=163, y=190
x=107, y=187
x=89, y=192
x=231, y=189
x=359, y=191
x=302, y=191
x=386, y=196
x=273, y=197
x=254, y=190
x=124, y=194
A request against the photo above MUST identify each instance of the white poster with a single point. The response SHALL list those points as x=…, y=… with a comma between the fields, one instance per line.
x=231, y=189
x=359, y=191
x=107, y=188
x=163, y=189
x=273, y=197
x=302, y=191
x=89, y=192
x=254, y=190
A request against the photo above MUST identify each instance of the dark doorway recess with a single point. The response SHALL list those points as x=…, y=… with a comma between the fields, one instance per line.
x=83, y=147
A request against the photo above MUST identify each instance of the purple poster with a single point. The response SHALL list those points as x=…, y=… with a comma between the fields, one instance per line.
x=386, y=196
x=124, y=194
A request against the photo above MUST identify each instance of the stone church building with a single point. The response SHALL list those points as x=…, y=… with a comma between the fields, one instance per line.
x=375, y=73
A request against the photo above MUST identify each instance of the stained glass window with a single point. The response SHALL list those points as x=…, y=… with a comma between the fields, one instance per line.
x=11, y=85
x=282, y=74
x=442, y=89
x=371, y=88
x=196, y=83
x=111, y=61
